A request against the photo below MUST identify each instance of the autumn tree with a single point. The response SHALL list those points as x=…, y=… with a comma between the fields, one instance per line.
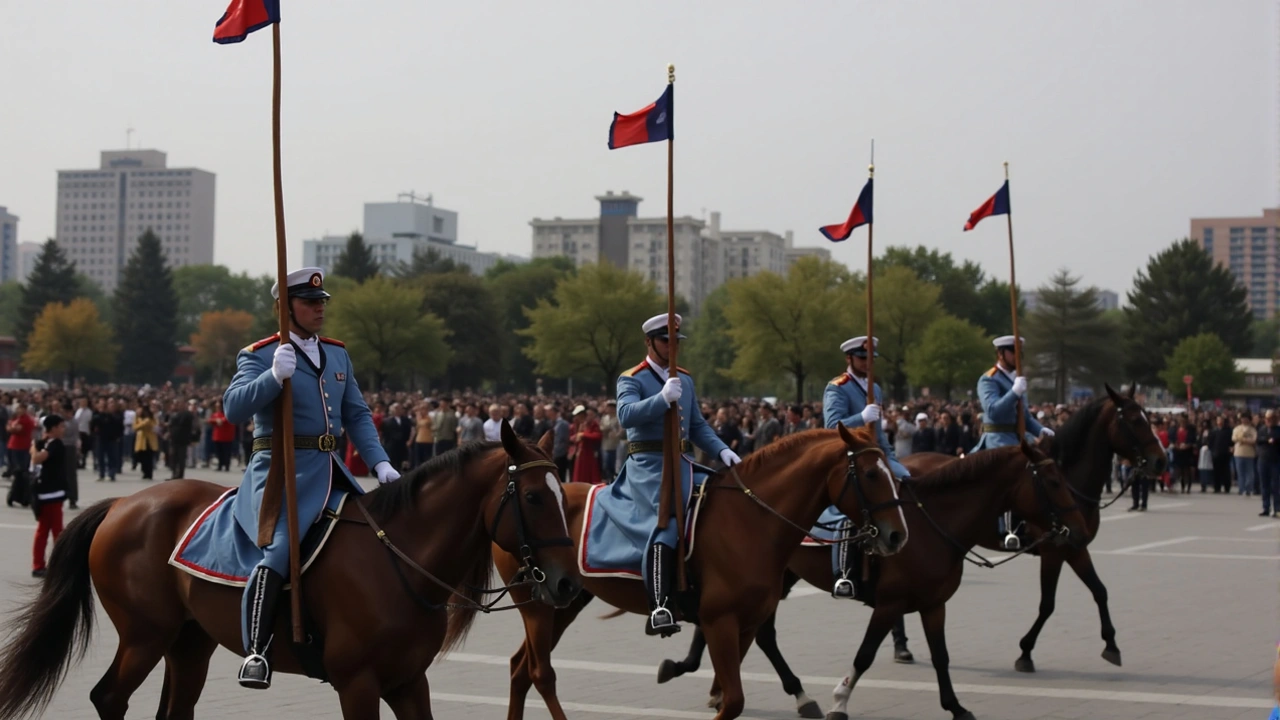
x=70, y=338
x=221, y=335
x=386, y=332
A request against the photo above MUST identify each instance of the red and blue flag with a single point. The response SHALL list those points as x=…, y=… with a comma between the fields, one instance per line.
x=652, y=123
x=243, y=17
x=997, y=204
x=860, y=215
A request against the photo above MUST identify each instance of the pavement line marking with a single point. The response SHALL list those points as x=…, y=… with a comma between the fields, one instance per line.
x=1235, y=539
x=623, y=710
x=1123, y=696
x=1264, y=526
x=11, y=526
x=1152, y=545
x=1127, y=515
x=1195, y=556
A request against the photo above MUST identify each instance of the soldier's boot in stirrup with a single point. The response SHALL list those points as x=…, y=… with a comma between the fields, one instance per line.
x=662, y=620
x=255, y=671
x=1011, y=541
x=844, y=588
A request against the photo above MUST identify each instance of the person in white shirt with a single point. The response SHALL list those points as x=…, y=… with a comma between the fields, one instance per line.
x=493, y=426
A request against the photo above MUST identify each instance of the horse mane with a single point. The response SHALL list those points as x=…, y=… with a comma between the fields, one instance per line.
x=1072, y=439
x=387, y=500
x=787, y=442
x=975, y=466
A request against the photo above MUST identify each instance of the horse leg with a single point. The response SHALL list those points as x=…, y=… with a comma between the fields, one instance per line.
x=135, y=658
x=1082, y=563
x=1050, y=570
x=767, y=641
x=359, y=697
x=531, y=665
x=935, y=632
x=881, y=623
x=411, y=701
x=724, y=643
x=186, y=668
x=670, y=669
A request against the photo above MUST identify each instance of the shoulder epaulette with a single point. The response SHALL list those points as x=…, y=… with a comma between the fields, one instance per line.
x=632, y=372
x=331, y=341
x=686, y=372
x=992, y=372
x=263, y=342
x=842, y=379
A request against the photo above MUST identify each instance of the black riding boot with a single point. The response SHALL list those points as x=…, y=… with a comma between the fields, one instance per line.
x=848, y=579
x=255, y=672
x=660, y=561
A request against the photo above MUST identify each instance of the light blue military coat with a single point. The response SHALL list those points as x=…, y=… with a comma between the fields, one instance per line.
x=1000, y=407
x=631, y=500
x=843, y=402
x=326, y=400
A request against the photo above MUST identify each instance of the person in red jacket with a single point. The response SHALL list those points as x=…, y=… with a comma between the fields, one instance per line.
x=224, y=436
x=586, y=446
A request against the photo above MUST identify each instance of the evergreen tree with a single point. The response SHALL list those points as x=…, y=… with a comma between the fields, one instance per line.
x=428, y=262
x=1183, y=293
x=1069, y=339
x=146, y=316
x=356, y=261
x=52, y=280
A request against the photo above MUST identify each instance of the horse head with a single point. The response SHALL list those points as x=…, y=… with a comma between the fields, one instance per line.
x=867, y=490
x=1131, y=435
x=1047, y=500
x=527, y=518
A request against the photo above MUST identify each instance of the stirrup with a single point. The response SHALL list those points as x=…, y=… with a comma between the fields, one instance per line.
x=843, y=589
x=661, y=622
x=1012, y=543
x=255, y=673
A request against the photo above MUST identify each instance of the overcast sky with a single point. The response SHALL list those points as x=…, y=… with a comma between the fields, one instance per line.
x=1120, y=120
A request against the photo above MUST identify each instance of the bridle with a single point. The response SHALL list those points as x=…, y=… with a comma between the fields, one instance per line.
x=529, y=570
x=1138, y=462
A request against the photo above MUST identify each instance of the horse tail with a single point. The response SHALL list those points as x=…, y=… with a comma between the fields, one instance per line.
x=53, y=631
x=473, y=589
x=612, y=615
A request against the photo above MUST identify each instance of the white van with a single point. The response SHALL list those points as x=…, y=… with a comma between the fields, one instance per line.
x=22, y=384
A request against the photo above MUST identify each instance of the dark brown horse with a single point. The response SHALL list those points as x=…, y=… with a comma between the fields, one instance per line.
x=954, y=502
x=381, y=621
x=739, y=555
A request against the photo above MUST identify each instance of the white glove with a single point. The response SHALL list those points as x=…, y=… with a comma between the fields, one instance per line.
x=729, y=457
x=1046, y=432
x=870, y=414
x=283, y=364
x=1020, y=385
x=385, y=472
x=672, y=389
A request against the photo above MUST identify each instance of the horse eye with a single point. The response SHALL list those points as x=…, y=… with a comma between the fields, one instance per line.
x=533, y=498
x=871, y=475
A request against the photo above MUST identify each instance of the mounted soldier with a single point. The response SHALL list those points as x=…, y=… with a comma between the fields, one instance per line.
x=999, y=390
x=326, y=401
x=631, y=501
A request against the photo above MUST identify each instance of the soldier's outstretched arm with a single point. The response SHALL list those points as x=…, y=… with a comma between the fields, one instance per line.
x=835, y=408
x=252, y=389
x=357, y=420
x=633, y=409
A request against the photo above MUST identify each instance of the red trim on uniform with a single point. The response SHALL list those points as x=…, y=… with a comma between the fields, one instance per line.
x=192, y=533
x=265, y=341
x=331, y=341
x=844, y=378
x=632, y=372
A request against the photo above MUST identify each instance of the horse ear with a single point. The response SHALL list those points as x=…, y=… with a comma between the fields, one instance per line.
x=510, y=441
x=1115, y=397
x=1026, y=450
x=1132, y=386
x=1046, y=445
x=845, y=435
x=547, y=442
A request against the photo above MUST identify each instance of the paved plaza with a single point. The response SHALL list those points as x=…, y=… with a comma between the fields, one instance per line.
x=1193, y=587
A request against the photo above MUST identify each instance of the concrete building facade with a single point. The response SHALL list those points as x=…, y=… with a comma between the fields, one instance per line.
x=1248, y=248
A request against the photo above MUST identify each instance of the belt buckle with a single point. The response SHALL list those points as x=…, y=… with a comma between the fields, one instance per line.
x=328, y=443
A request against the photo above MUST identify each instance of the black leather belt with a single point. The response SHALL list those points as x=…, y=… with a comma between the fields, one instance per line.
x=324, y=443
x=645, y=446
x=999, y=428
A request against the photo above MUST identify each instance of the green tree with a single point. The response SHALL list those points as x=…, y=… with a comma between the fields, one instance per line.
x=709, y=350
x=146, y=316
x=10, y=301
x=515, y=288
x=951, y=354
x=957, y=284
x=356, y=260
x=1266, y=335
x=387, y=334
x=904, y=306
x=70, y=338
x=1208, y=360
x=428, y=262
x=591, y=324
x=793, y=324
x=469, y=312
x=1068, y=337
x=992, y=314
x=206, y=288
x=1182, y=293
x=52, y=280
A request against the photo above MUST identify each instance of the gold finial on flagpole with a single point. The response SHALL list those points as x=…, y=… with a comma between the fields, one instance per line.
x=671, y=73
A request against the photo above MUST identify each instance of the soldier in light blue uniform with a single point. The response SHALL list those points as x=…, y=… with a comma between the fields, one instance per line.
x=999, y=390
x=845, y=402
x=326, y=400
x=631, y=501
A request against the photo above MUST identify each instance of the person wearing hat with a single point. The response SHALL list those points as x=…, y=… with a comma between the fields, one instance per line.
x=845, y=402
x=49, y=488
x=999, y=390
x=326, y=402
x=630, y=502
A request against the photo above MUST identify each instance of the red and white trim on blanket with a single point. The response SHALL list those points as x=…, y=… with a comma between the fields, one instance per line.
x=203, y=573
x=691, y=524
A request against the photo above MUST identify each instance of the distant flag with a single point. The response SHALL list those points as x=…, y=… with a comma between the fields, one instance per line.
x=860, y=215
x=653, y=123
x=997, y=204
x=243, y=17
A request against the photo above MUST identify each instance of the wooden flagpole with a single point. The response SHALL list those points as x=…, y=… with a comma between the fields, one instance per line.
x=870, y=344
x=1013, y=309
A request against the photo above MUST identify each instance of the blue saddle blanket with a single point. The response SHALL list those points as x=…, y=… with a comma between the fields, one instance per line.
x=607, y=550
x=217, y=549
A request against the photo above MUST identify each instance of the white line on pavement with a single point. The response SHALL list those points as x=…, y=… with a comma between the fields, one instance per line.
x=1151, y=545
x=11, y=526
x=623, y=710
x=1127, y=515
x=1193, y=556
x=930, y=687
x=1264, y=526
x=1235, y=539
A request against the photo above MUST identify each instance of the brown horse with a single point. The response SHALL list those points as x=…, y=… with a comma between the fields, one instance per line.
x=381, y=620
x=955, y=502
x=744, y=543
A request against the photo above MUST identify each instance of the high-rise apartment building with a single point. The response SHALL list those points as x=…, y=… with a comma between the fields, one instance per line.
x=1250, y=248
x=103, y=212
x=8, y=245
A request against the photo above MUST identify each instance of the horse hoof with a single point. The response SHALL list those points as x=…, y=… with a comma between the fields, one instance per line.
x=668, y=670
x=837, y=716
x=1112, y=656
x=966, y=715
x=1024, y=665
x=810, y=710
x=713, y=702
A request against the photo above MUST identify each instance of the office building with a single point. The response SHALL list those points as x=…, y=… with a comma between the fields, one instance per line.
x=8, y=245
x=1247, y=246
x=28, y=253
x=102, y=213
